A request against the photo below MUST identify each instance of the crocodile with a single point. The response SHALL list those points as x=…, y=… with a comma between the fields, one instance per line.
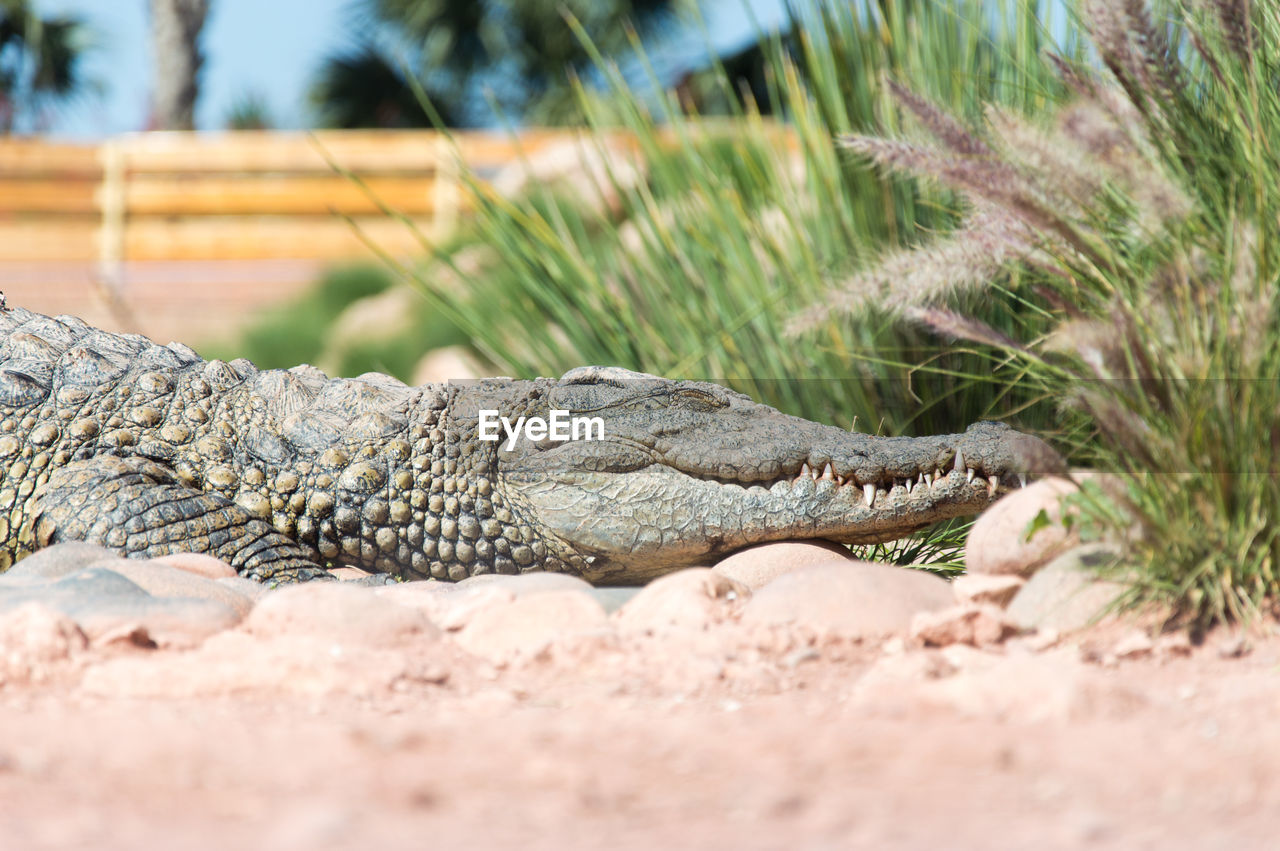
x=285, y=474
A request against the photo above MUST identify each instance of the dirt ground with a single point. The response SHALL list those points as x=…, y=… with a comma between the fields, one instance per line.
x=821, y=744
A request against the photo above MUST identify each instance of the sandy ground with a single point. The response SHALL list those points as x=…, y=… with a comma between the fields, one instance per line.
x=833, y=744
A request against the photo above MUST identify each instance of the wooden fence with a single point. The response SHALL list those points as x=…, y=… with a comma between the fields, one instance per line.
x=181, y=234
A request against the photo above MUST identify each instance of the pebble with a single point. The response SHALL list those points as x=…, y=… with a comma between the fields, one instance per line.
x=1065, y=595
x=998, y=542
x=971, y=624
x=339, y=612
x=757, y=566
x=695, y=598
x=858, y=599
x=525, y=625
x=159, y=579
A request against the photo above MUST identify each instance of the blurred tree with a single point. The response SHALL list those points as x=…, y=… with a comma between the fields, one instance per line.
x=39, y=64
x=519, y=54
x=175, y=41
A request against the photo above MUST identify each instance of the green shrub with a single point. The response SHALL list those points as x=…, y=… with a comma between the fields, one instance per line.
x=1141, y=222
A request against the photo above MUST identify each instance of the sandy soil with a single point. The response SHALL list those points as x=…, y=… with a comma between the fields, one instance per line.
x=825, y=744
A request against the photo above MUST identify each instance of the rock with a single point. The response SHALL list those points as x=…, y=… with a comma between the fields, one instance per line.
x=105, y=604
x=695, y=598
x=340, y=613
x=1065, y=595
x=757, y=566
x=160, y=580
x=169, y=622
x=390, y=313
x=975, y=625
x=199, y=564
x=34, y=637
x=1134, y=644
x=525, y=625
x=986, y=588
x=535, y=582
x=859, y=599
x=999, y=543
x=449, y=363
x=56, y=562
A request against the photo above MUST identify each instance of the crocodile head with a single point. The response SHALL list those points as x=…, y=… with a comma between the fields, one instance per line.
x=681, y=472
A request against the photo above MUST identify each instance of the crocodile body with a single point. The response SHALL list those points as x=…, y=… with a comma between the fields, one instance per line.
x=149, y=449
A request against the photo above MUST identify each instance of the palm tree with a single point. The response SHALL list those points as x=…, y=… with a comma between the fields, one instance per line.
x=175, y=39
x=473, y=57
x=39, y=64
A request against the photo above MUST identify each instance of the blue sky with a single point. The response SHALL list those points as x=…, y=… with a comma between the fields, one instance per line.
x=270, y=47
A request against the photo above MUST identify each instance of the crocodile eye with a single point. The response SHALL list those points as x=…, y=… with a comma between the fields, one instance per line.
x=697, y=400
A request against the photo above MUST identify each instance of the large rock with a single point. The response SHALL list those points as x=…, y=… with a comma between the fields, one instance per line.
x=858, y=599
x=160, y=580
x=695, y=598
x=1066, y=594
x=755, y=567
x=342, y=613
x=56, y=562
x=999, y=541
x=525, y=625
x=106, y=606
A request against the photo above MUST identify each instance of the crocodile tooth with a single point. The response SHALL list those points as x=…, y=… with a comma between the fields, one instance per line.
x=869, y=491
x=827, y=472
x=910, y=484
x=959, y=465
x=938, y=474
x=920, y=479
x=840, y=480
x=928, y=479
x=993, y=482
x=968, y=475
x=804, y=470
x=1022, y=480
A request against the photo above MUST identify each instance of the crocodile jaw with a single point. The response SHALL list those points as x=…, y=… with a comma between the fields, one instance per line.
x=632, y=527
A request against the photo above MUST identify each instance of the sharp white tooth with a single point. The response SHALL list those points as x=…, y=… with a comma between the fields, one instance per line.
x=869, y=491
x=1022, y=480
x=920, y=479
x=840, y=480
x=968, y=475
x=910, y=485
x=938, y=474
x=827, y=472
x=928, y=480
x=959, y=465
x=804, y=470
x=993, y=482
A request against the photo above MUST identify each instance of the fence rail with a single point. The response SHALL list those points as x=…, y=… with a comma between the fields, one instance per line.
x=228, y=221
